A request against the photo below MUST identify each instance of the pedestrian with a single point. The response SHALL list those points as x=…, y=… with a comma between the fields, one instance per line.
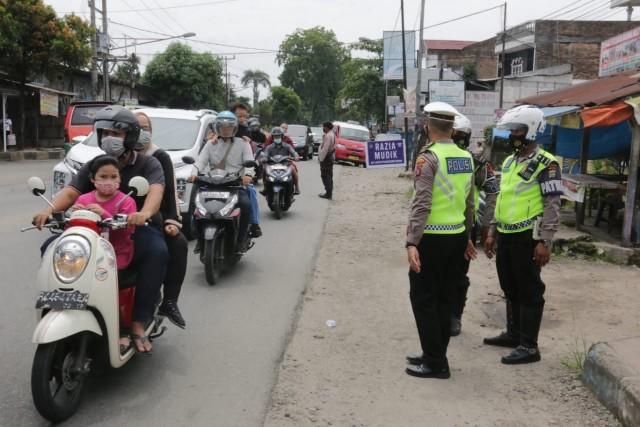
x=285, y=128
x=526, y=218
x=437, y=239
x=484, y=180
x=8, y=131
x=326, y=155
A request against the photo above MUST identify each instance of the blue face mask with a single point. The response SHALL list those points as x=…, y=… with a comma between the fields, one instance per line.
x=113, y=146
x=278, y=141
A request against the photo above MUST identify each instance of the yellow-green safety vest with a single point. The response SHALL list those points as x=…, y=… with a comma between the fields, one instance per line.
x=451, y=186
x=520, y=201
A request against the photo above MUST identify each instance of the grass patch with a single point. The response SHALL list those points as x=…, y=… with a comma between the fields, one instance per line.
x=574, y=361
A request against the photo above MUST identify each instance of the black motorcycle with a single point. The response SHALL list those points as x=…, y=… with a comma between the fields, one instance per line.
x=217, y=218
x=278, y=184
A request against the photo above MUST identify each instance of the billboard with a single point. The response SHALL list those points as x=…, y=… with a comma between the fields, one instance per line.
x=620, y=53
x=392, y=53
x=449, y=91
x=48, y=103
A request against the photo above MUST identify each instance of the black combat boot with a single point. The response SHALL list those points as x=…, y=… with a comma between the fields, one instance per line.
x=527, y=351
x=456, y=326
x=511, y=337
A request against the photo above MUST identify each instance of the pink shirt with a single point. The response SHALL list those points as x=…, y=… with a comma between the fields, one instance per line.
x=120, y=239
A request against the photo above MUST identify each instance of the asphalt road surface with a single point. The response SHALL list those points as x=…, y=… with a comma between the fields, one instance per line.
x=217, y=372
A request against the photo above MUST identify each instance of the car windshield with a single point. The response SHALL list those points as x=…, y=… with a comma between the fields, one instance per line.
x=84, y=114
x=168, y=133
x=316, y=130
x=354, y=134
x=297, y=130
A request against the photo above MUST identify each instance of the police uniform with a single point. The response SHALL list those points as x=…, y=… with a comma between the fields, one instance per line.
x=441, y=214
x=527, y=213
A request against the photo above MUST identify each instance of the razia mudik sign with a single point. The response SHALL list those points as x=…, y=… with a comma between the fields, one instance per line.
x=386, y=154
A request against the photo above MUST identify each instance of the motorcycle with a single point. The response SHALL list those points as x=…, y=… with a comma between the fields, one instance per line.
x=278, y=184
x=84, y=304
x=259, y=148
x=217, y=217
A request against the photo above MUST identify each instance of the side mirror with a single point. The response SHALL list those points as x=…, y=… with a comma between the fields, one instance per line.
x=250, y=164
x=188, y=160
x=36, y=186
x=139, y=186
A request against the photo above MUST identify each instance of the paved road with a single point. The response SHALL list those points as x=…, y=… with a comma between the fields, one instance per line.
x=218, y=372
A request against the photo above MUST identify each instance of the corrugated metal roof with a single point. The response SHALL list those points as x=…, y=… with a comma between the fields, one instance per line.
x=550, y=112
x=431, y=44
x=590, y=93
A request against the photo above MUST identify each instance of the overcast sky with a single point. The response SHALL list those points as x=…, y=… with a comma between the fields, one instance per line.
x=263, y=24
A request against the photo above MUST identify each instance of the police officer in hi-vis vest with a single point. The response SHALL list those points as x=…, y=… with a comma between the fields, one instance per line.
x=437, y=238
x=526, y=218
x=484, y=180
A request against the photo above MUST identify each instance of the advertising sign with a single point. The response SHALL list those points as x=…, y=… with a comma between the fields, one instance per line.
x=392, y=53
x=620, y=53
x=48, y=104
x=386, y=154
x=573, y=190
x=449, y=91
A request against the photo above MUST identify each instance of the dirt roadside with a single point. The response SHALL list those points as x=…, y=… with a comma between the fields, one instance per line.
x=353, y=374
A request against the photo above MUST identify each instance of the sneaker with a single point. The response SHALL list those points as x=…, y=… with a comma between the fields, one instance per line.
x=170, y=310
x=255, y=231
x=522, y=355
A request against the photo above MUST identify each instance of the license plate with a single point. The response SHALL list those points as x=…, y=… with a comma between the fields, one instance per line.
x=215, y=194
x=354, y=158
x=57, y=300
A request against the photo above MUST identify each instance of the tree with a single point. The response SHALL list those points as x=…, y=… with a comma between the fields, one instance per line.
x=255, y=78
x=470, y=72
x=34, y=41
x=129, y=71
x=182, y=78
x=266, y=112
x=363, y=88
x=312, y=66
x=286, y=105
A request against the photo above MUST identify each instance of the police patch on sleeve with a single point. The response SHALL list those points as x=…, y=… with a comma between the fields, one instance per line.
x=459, y=165
x=420, y=161
x=551, y=181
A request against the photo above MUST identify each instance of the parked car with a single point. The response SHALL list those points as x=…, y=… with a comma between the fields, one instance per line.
x=179, y=132
x=316, y=135
x=79, y=119
x=351, y=142
x=302, y=139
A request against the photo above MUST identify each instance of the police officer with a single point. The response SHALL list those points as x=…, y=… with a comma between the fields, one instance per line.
x=526, y=218
x=437, y=239
x=484, y=180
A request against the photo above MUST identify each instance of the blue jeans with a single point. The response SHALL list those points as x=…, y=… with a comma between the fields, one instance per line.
x=255, y=209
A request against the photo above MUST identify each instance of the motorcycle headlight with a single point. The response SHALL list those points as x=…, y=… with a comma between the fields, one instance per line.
x=272, y=178
x=200, y=207
x=286, y=178
x=70, y=257
x=229, y=206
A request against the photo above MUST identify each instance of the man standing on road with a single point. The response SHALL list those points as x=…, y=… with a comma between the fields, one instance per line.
x=526, y=217
x=437, y=235
x=485, y=180
x=326, y=156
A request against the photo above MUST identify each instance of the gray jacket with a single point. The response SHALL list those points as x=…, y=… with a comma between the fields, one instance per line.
x=213, y=153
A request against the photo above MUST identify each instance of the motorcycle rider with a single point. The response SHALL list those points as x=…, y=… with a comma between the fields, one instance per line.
x=117, y=131
x=484, y=180
x=255, y=133
x=526, y=217
x=278, y=148
x=229, y=153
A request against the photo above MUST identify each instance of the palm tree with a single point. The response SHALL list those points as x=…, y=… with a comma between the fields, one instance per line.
x=256, y=78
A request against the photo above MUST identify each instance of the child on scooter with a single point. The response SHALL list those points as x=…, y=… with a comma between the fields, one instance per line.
x=107, y=201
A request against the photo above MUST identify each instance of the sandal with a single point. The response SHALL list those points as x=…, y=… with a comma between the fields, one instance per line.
x=125, y=347
x=137, y=339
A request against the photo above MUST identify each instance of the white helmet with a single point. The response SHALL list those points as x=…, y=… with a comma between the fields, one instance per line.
x=462, y=124
x=526, y=117
x=441, y=110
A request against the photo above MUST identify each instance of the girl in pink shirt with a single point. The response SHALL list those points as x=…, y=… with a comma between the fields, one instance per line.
x=107, y=201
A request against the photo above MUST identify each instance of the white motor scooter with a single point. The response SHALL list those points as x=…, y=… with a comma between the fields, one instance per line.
x=82, y=309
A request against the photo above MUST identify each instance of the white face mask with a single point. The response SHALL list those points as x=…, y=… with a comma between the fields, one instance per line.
x=113, y=146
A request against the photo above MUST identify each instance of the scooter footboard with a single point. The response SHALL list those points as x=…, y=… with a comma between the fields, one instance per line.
x=56, y=325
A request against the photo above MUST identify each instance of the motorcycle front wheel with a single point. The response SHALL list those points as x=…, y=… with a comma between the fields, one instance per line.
x=277, y=205
x=56, y=386
x=213, y=259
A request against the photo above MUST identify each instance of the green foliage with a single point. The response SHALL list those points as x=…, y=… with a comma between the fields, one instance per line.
x=469, y=72
x=285, y=105
x=255, y=78
x=129, y=71
x=312, y=66
x=266, y=112
x=182, y=78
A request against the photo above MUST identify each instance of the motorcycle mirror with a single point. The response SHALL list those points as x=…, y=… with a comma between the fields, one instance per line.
x=188, y=160
x=250, y=164
x=139, y=186
x=36, y=185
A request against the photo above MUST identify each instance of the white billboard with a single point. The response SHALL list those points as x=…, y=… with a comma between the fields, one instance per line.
x=392, y=53
x=449, y=91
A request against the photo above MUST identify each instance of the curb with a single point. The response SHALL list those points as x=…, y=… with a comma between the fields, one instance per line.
x=13, y=156
x=614, y=382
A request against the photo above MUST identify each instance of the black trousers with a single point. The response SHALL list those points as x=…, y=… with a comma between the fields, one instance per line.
x=460, y=299
x=178, y=247
x=432, y=293
x=244, y=202
x=326, y=173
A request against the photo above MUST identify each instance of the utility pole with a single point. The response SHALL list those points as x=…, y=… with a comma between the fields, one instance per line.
x=629, y=12
x=105, y=60
x=94, y=53
x=227, y=77
x=404, y=85
x=503, y=59
x=420, y=54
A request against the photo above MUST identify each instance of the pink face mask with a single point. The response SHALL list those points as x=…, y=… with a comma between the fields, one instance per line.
x=108, y=187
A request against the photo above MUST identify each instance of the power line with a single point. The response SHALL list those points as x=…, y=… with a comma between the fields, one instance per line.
x=598, y=8
x=158, y=17
x=170, y=17
x=208, y=3
x=548, y=15
x=575, y=8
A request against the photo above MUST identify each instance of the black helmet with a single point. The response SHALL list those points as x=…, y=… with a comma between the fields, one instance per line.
x=277, y=131
x=118, y=118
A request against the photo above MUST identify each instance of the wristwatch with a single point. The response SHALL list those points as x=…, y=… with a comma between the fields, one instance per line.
x=547, y=243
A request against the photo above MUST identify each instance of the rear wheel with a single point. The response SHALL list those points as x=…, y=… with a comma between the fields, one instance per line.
x=56, y=385
x=213, y=259
x=277, y=205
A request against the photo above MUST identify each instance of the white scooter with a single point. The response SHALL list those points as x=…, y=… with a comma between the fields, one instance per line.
x=82, y=309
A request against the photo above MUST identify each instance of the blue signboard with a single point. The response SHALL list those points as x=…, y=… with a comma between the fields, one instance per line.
x=386, y=154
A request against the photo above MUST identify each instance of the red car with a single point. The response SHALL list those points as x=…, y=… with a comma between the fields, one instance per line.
x=351, y=142
x=79, y=119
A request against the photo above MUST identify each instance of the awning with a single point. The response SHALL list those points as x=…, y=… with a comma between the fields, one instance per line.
x=48, y=89
x=550, y=112
x=606, y=115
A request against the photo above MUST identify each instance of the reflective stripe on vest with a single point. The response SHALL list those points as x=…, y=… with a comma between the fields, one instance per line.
x=452, y=184
x=520, y=201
